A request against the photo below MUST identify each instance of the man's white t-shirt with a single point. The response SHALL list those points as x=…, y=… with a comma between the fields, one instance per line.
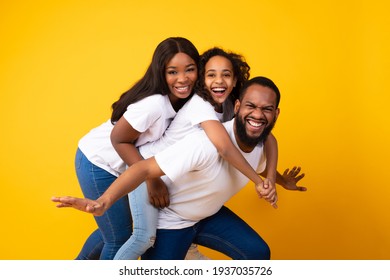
x=199, y=180
x=149, y=116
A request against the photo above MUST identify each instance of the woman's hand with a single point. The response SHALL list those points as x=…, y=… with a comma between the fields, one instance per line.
x=82, y=204
x=158, y=193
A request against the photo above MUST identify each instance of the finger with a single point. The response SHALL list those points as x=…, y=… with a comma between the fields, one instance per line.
x=285, y=172
x=63, y=205
x=271, y=195
x=155, y=202
x=163, y=202
x=299, y=177
x=90, y=208
x=301, y=189
x=274, y=202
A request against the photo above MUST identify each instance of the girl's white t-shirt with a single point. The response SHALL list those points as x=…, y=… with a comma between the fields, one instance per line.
x=149, y=116
x=186, y=121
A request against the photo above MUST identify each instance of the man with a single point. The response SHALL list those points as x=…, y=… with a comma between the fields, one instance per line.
x=200, y=182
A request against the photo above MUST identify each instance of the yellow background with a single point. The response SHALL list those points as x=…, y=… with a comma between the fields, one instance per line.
x=63, y=63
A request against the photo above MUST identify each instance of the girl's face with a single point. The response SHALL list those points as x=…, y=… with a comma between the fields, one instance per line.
x=219, y=78
x=181, y=73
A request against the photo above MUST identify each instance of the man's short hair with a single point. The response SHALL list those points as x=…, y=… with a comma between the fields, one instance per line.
x=263, y=81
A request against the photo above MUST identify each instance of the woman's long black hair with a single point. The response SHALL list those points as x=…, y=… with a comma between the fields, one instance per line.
x=154, y=82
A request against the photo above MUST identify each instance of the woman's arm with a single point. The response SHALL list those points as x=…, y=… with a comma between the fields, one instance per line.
x=127, y=182
x=123, y=137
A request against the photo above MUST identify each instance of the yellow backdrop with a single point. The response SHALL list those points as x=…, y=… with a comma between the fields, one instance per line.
x=63, y=63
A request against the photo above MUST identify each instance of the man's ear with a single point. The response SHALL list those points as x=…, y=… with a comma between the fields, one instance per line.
x=277, y=112
x=236, y=106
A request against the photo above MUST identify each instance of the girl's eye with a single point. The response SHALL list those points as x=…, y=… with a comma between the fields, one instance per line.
x=190, y=69
x=171, y=72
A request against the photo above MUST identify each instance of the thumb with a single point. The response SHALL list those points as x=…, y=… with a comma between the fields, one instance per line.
x=266, y=183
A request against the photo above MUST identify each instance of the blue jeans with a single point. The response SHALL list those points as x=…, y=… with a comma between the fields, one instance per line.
x=115, y=226
x=224, y=232
x=144, y=225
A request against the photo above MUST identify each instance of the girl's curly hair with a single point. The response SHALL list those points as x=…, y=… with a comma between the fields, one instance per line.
x=240, y=71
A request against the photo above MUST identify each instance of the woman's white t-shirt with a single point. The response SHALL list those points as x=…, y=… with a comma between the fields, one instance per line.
x=149, y=116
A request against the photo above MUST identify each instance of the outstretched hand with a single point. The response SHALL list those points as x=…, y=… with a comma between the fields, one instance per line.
x=291, y=179
x=82, y=204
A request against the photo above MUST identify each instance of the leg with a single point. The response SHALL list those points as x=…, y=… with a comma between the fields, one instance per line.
x=171, y=244
x=144, y=225
x=229, y=234
x=92, y=247
x=115, y=225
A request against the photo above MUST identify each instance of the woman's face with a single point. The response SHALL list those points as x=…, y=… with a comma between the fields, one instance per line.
x=219, y=78
x=181, y=73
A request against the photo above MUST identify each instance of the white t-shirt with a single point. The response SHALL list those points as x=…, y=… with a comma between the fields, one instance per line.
x=149, y=116
x=186, y=121
x=199, y=180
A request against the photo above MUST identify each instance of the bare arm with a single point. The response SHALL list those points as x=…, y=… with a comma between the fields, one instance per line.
x=123, y=137
x=271, y=153
x=218, y=135
x=127, y=182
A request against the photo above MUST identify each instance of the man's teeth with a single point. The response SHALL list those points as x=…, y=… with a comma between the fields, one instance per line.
x=255, y=124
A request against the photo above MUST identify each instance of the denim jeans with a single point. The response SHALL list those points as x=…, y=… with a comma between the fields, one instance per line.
x=224, y=232
x=144, y=225
x=115, y=226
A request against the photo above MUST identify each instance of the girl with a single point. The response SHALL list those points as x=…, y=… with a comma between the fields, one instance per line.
x=145, y=111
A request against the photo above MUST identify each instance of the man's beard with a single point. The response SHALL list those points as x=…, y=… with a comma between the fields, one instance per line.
x=252, y=141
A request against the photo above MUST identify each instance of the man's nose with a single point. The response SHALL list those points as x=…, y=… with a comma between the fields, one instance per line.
x=257, y=112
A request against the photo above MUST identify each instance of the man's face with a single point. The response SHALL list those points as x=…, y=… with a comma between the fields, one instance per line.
x=256, y=115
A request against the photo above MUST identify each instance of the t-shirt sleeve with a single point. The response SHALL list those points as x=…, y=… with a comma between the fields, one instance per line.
x=201, y=111
x=142, y=114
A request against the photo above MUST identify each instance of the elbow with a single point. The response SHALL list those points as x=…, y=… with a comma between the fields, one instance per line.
x=223, y=152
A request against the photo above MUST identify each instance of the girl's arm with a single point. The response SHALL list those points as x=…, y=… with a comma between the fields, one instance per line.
x=127, y=182
x=123, y=137
x=218, y=135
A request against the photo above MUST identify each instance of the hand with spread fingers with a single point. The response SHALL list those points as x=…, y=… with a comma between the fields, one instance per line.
x=82, y=204
x=291, y=178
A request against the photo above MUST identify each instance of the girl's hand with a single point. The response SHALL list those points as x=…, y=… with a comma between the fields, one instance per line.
x=291, y=179
x=267, y=190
